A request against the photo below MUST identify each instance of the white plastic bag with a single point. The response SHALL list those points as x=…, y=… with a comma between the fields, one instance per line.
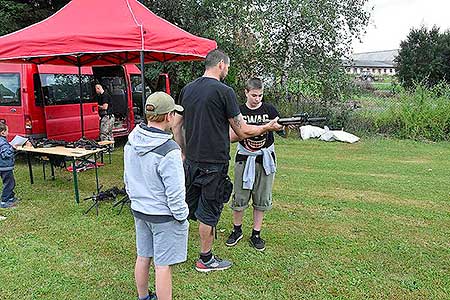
x=338, y=135
x=309, y=131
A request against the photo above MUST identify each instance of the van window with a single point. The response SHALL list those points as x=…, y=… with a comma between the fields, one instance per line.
x=10, y=89
x=60, y=89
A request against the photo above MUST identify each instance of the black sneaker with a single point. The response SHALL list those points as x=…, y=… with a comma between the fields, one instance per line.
x=151, y=296
x=257, y=242
x=13, y=200
x=234, y=238
x=7, y=204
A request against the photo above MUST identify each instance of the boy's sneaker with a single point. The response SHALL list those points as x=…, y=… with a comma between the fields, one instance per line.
x=7, y=204
x=151, y=296
x=13, y=200
x=257, y=242
x=214, y=264
x=234, y=238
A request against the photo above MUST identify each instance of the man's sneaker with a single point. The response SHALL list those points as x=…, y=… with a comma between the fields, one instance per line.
x=234, y=238
x=257, y=242
x=7, y=204
x=214, y=264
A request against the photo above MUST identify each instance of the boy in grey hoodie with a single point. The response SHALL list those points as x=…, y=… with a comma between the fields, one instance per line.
x=6, y=169
x=154, y=180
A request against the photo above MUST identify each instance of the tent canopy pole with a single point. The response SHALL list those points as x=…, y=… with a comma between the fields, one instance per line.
x=81, y=96
x=143, y=83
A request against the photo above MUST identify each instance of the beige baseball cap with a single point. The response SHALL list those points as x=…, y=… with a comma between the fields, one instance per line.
x=160, y=103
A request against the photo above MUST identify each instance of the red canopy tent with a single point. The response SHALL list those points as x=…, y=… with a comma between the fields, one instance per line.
x=102, y=33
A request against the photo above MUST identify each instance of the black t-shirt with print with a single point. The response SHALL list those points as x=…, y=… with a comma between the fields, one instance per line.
x=264, y=113
x=102, y=99
x=208, y=104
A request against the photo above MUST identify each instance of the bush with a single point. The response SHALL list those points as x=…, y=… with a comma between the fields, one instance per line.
x=420, y=114
x=336, y=113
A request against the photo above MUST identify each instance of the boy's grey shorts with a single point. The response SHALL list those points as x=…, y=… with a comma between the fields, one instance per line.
x=261, y=193
x=165, y=242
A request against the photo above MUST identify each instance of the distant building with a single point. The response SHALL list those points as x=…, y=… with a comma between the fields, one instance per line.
x=373, y=63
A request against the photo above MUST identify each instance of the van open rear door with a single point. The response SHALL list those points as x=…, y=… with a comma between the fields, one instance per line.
x=12, y=116
x=61, y=92
x=11, y=108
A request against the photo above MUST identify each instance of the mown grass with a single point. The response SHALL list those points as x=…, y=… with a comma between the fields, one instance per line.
x=363, y=221
x=382, y=85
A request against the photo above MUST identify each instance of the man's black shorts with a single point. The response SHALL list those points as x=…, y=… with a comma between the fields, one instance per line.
x=208, y=187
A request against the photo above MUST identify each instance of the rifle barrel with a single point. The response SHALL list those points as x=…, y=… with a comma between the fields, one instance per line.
x=296, y=120
x=316, y=119
x=300, y=120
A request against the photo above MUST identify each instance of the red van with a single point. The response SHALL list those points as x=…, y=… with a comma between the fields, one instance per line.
x=43, y=100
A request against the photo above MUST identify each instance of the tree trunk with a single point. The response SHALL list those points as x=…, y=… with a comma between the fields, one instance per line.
x=287, y=63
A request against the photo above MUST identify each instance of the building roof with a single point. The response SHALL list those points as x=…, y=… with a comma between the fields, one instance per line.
x=375, y=59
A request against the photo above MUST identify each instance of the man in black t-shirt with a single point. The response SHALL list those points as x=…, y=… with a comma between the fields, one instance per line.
x=210, y=108
x=105, y=112
x=255, y=167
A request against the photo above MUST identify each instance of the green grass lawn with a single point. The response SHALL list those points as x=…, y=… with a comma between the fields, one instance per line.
x=382, y=85
x=363, y=221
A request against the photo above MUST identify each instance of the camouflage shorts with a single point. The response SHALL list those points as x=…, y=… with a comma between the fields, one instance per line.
x=106, y=128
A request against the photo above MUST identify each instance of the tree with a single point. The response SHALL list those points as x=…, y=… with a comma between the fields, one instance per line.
x=291, y=43
x=424, y=57
x=308, y=40
x=15, y=15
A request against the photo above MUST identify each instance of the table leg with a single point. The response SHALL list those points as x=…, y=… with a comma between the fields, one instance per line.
x=53, y=170
x=75, y=181
x=96, y=172
x=43, y=167
x=30, y=169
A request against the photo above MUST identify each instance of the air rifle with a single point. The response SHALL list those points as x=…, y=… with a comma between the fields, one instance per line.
x=297, y=119
x=110, y=194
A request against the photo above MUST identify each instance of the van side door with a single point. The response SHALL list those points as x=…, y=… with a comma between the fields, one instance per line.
x=11, y=109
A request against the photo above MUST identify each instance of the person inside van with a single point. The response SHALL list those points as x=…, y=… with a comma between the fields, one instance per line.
x=105, y=111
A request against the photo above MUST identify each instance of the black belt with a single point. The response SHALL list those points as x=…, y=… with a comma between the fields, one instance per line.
x=259, y=158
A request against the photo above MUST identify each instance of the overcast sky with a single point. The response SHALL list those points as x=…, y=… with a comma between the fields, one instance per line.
x=391, y=21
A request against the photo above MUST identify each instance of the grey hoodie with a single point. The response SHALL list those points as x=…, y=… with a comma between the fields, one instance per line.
x=154, y=183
